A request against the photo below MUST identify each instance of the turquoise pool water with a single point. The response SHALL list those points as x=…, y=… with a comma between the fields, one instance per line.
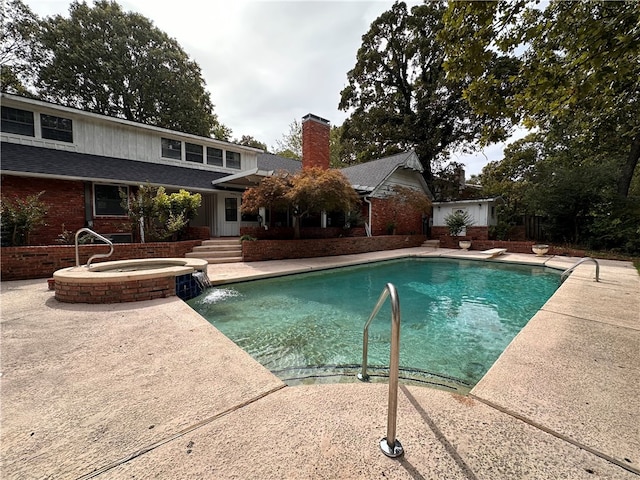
x=457, y=317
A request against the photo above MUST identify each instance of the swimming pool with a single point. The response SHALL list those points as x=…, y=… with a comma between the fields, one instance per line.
x=457, y=317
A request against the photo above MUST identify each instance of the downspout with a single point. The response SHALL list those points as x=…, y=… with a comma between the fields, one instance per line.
x=368, y=201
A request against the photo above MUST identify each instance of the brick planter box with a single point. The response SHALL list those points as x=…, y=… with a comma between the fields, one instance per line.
x=283, y=249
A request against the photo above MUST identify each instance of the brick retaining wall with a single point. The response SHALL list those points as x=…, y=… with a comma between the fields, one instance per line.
x=22, y=263
x=283, y=249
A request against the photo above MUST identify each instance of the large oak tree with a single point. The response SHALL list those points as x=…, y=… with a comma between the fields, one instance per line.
x=105, y=60
x=398, y=93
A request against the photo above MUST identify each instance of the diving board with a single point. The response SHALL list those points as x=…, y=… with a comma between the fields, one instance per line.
x=494, y=252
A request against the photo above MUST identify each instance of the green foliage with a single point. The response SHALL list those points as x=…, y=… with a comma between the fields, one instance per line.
x=104, y=60
x=290, y=145
x=399, y=95
x=22, y=216
x=457, y=222
x=67, y=237
x=248, y=238
x=249, y=141
x=158, y=215
x=17, y=45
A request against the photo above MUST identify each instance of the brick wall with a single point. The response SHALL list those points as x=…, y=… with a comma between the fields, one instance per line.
x=21, y=263
x=283, y=249
x=65, y=200
x=408, y=220
x=125, y=291
x=286, y=233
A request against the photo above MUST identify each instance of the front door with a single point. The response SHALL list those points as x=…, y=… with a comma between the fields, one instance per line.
x=230, y=215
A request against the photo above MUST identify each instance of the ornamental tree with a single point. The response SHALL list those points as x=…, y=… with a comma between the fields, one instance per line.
x=312, y=190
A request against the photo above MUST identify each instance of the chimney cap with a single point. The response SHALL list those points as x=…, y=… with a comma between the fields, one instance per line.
x=311, y=116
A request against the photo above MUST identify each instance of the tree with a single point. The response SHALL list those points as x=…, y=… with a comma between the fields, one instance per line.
x=107, y=61
x=158, y=215
x=249, y=141
x=17, y=39
x=312, y=190
x=574, y=60
x=398, y=92
x=290, y=145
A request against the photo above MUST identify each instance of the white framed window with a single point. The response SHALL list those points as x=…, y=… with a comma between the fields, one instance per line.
x=107, y=201
x=17, y=121
x=171, y=149
x=193, y=153
x=214, y=156
x=233, y=160
x=56, y=128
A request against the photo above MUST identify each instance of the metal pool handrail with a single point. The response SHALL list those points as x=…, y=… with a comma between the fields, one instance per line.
x=97, y=255
x=389, y=445
x=566, y=273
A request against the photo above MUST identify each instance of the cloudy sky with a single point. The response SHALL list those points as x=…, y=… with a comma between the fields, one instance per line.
x=268, y=62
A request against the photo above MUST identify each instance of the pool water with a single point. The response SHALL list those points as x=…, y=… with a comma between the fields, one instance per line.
x=456, y=317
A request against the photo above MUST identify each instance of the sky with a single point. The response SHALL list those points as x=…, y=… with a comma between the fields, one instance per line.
x=267, y=63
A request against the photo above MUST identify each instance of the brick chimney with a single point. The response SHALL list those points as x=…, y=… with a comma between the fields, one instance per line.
x=315, y=141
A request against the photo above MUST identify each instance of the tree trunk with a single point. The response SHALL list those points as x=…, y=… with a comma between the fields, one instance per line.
x=626, y=173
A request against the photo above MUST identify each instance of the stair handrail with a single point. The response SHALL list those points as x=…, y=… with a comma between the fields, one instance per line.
x=389, y=445
x=566, y=273
x=97, y=255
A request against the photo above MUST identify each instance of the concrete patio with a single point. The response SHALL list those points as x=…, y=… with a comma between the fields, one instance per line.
x=152, y=390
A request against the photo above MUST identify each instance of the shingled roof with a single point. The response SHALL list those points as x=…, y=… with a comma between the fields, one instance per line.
x=47, y=162
x=368, y=176
x=269, y=162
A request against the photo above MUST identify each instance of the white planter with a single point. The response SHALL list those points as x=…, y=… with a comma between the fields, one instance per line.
x=540, y=250
x=464, y=244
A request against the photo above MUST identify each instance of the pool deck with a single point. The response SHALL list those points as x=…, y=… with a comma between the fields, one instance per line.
x=152, y=390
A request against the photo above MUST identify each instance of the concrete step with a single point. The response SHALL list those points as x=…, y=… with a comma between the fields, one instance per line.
x=206, y=254
x=222, y=241
x=431, y=243
x=218, y=248
x=215, y=260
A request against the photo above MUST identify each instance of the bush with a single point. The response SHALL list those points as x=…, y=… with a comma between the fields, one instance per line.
x=20, y=217
x=458, y=221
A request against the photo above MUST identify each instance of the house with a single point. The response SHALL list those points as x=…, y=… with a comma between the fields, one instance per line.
x=82, y=160
x=483, y=211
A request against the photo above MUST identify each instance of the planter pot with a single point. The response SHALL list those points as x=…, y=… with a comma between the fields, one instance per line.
x=540, y=250
x=464, y=244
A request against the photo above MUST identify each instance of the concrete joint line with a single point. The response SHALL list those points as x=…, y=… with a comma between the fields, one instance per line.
x=559, y=435
x=591, y=320
x=179, y=434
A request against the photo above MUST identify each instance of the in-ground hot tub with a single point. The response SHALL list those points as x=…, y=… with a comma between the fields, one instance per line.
x=131, y=280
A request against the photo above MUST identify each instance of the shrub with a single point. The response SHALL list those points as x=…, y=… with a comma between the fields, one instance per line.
x=21, y=216
x=458, y=221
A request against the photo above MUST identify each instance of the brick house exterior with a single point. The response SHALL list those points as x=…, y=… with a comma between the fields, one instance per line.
x=81, y=161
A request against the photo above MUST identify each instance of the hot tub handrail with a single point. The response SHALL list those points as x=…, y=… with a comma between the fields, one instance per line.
x=566, y=273
x=97, y=255
x=389, y=445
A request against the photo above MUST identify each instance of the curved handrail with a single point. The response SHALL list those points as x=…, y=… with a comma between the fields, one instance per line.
x=97, y=255
x=389, y=445
x=566, y=273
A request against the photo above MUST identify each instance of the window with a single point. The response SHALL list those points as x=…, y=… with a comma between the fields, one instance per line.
x=172, y=148
x=107, y=200
x=233, y=160
x=214, y=156
x=231, y=209
x=17, y=121
x=56, y=128
x=193, y=152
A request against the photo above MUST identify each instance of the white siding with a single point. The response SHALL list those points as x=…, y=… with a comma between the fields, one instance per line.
x=401, y=177
x=481, y=212
x=104, y=136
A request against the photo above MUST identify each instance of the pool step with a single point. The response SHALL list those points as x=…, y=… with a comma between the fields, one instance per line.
x=218, y=250
x=431, y=244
